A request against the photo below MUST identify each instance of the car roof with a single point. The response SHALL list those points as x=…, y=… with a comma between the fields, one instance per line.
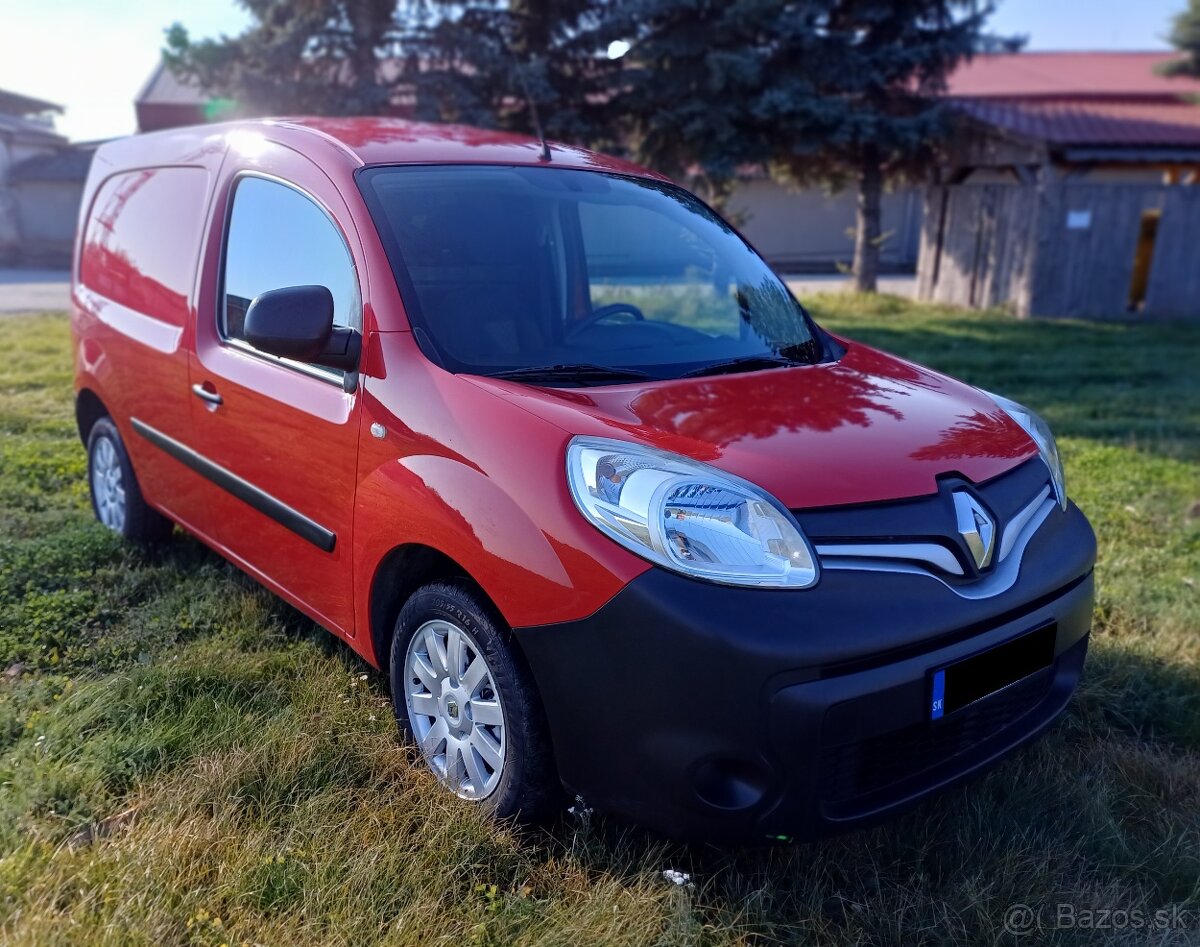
x=397, y=141
x=342, y=145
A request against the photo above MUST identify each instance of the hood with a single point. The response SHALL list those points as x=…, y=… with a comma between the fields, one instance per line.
x=867, y=428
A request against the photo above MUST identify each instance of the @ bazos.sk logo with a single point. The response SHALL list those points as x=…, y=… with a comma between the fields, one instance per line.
x=1022, y=919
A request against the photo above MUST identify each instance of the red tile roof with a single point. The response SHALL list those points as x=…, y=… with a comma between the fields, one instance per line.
x=1082, y=99
x=14, y=103
x=1093, y=123
x=1068, y=75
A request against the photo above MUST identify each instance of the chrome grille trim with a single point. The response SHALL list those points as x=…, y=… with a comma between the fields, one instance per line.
x=937, y=556
x=1012, y=530
x=1017, y=534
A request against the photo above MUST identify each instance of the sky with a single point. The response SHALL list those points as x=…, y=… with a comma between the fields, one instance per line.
x=92, y=56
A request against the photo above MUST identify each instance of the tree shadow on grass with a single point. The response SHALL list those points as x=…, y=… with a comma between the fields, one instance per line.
x=1110, y=381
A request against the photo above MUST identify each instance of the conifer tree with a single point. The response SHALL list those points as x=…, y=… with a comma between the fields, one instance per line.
x=821, y=92
x=496, y=62
x=1185, y=36
x=833, y=93
x=297, y=57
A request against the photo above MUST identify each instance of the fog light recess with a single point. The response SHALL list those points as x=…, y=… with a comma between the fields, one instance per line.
x=731, y=784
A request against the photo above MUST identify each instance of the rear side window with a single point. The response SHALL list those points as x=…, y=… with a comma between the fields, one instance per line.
x=277, y=238
x=142, y=239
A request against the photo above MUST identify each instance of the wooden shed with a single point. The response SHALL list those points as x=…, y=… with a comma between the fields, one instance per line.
x=1076, y=194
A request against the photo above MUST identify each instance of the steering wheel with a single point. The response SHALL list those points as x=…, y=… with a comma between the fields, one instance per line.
x=603, y=312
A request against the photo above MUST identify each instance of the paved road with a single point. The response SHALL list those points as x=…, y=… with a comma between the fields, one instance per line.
x=33, y=290
x=37, y=290
x=811, y=283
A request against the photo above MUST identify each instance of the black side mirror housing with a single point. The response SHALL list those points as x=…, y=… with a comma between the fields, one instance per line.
x=297, y=323
x=342, y=350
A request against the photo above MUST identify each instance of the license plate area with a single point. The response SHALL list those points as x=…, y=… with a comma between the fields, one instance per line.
x=957, y=685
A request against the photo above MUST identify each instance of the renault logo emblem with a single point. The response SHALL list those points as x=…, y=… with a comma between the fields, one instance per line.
x=976, y=527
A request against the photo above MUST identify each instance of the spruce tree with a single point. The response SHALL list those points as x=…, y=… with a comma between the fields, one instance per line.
x=496, y=62
x=297, y=57
x=1185, y=36
x=822, y=92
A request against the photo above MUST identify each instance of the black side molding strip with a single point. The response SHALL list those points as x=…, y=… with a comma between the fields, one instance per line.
x=245, y=491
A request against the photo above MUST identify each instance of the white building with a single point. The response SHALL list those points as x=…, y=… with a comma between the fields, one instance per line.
x=41, y=183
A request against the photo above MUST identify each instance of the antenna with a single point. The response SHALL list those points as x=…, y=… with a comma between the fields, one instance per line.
x=533, y=112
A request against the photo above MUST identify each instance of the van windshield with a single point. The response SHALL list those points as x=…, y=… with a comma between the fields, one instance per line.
x=560, y=276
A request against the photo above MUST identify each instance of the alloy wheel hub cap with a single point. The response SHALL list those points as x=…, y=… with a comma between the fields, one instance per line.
x=454, y=709
x=108, y=485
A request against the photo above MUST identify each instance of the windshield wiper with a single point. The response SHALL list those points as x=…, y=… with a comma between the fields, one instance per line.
x=582, y=373
x=747, y=363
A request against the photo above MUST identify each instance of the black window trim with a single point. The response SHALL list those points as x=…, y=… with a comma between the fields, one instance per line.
x=330, y=376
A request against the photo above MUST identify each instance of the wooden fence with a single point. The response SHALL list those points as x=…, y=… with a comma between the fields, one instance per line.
x=1063, y=249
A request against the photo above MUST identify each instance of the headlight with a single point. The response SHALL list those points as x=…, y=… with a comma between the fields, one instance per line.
x=1039, y=430
x=687, y=516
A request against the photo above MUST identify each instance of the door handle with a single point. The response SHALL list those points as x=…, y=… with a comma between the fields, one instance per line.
x=207, y=394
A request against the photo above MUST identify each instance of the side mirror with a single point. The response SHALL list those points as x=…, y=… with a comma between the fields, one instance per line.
x=297, y=323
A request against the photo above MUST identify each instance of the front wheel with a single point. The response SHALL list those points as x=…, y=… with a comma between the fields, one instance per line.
x=466, y=702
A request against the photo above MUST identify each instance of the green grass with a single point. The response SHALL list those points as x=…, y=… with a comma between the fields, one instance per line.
x=186, y=760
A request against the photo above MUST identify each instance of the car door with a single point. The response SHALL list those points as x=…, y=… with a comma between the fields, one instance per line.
x=282, y=436
x=134, y=300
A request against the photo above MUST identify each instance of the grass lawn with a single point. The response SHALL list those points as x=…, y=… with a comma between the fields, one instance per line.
x=186, y=760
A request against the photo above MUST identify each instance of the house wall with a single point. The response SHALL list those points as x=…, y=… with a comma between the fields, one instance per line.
x=1174, y=289
x=152, y=116
x=47, y=214
x=18, y=209
x=1060, y=248
x=977, y=245
x=9, y=236
x=1132, y=175
x=809, y=230
x=1087, y=271
x=9, y=231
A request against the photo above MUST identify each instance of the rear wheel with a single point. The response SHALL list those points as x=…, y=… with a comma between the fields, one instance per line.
x=116, y=498
x=467, y=703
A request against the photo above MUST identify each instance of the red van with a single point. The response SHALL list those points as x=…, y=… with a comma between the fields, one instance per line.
x=541, y=435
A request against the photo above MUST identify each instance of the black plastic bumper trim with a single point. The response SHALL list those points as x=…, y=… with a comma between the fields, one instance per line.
x=958, y=634
x=248, y=493
x=734, y=696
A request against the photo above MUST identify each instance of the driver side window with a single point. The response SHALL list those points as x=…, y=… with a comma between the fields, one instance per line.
x=636, y=255
x=277, y=238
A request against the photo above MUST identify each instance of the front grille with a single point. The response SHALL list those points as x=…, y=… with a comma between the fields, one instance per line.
x=929, y=519
x=854, y=770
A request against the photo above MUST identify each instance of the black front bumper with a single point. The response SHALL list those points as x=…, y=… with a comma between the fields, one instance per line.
x=713, y=712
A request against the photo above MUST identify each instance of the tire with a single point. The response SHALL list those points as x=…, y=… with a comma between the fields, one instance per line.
x=459, y=740
x=116, y=497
